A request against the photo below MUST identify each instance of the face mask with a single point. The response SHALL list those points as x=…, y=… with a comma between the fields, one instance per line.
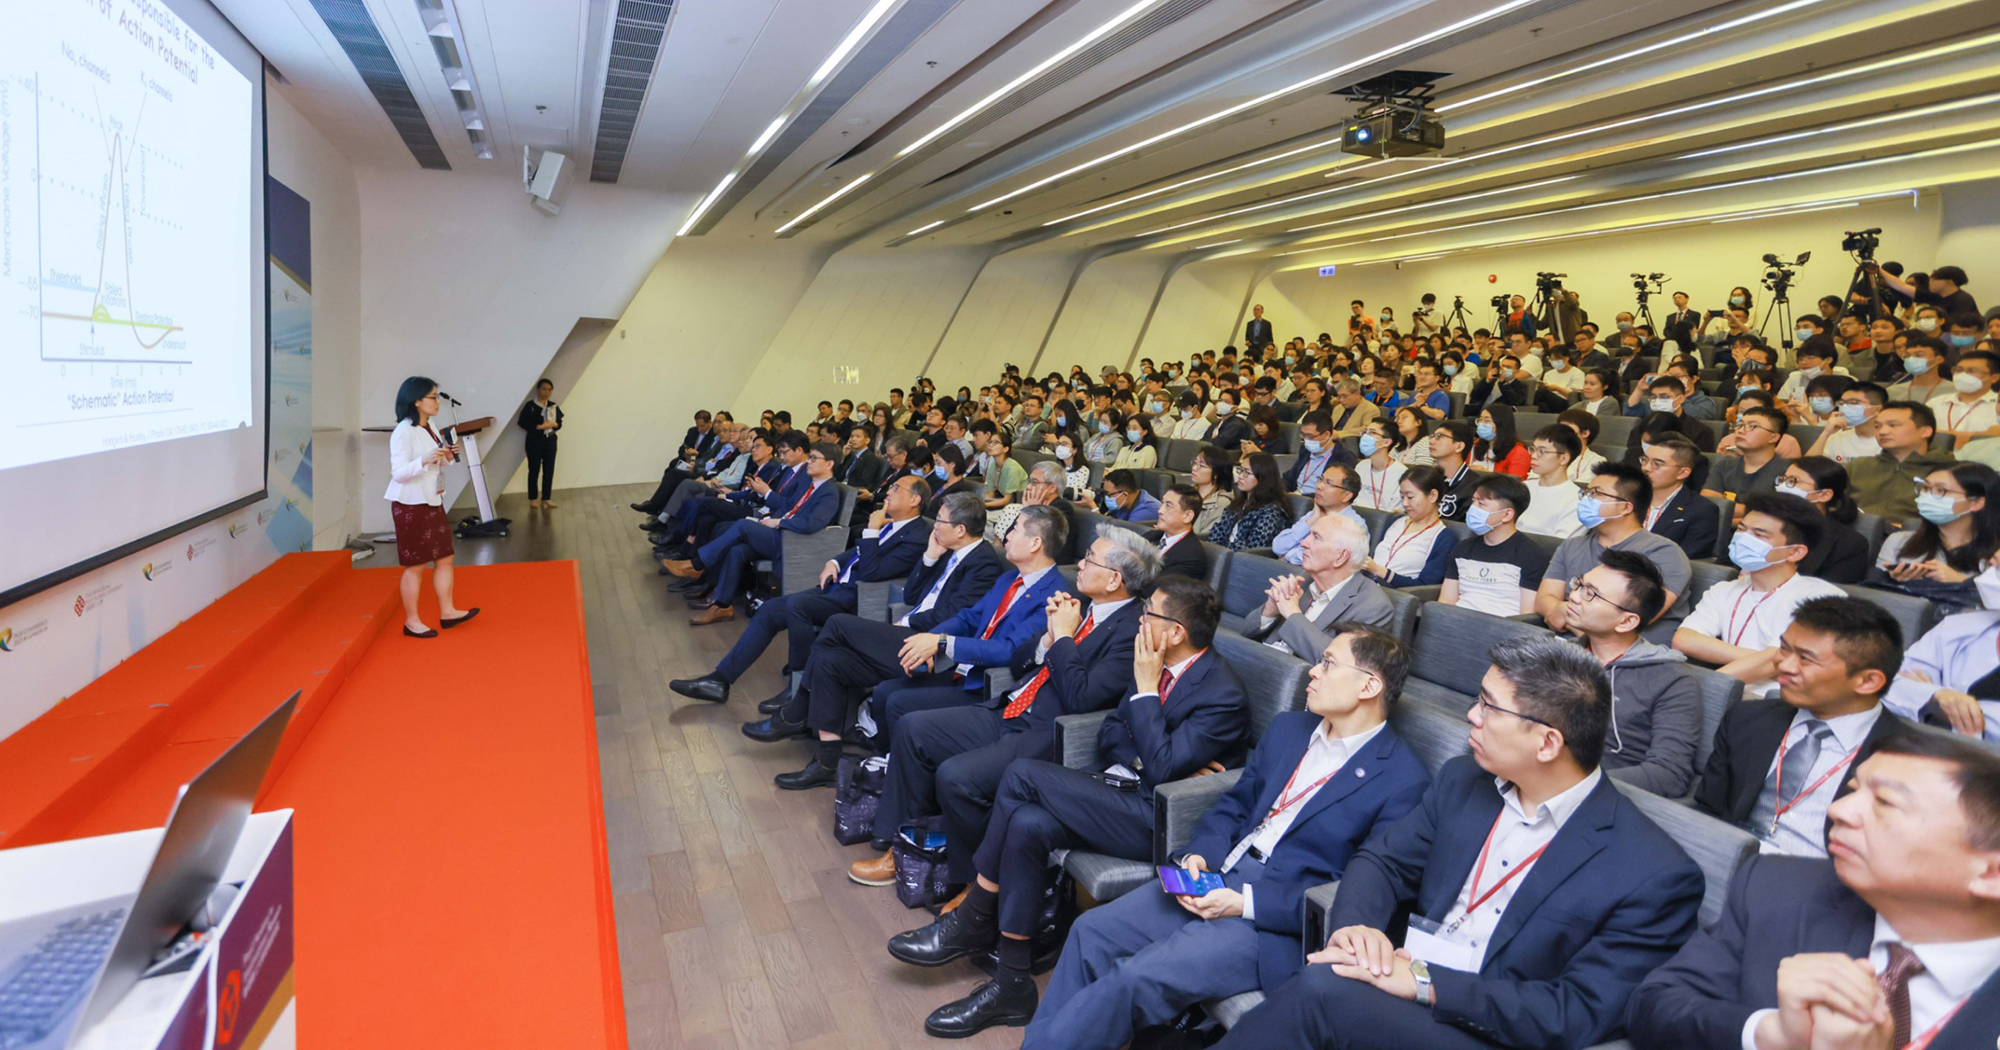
x=1478, y=520
x=1387, y=320
x=1110, y=501
x=943, y=471
x=1811, y=373
x=1937, y=509
x=1786, y=488
x=1750, y=553
x=1752, y=365
x=1064, y=452
x=1854, y=414
x=1224, y=408
x=1820, y=405
x=1062, y=421
x=1590, y=511
x=1916, y=366
x=1624, y=326
x=1661, y=404
x=1966, y=383
x=1558, y=363
x=1134, y=436
x=1506, y=373
x=1926, y=324
x=1369, y=444
x=1451, y=370
x=1485, y=431
x=1960, y=341
x=1736, y=300
x=1988, y=583
x=1802, y=334
x=1187, y=413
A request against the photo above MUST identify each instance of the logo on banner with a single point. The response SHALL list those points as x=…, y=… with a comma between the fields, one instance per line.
x=153, y=572
x=237, y=528
x=229, y=1002
x=281, y=455
x=199, y=547
x=11, y=639
x=291, y=399
x=264, y=516
x=290, y=503
x=94, y=597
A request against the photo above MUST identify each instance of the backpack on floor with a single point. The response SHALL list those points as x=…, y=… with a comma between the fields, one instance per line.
x=857, y=796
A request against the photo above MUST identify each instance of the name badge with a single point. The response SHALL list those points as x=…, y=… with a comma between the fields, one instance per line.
x=1428, y=941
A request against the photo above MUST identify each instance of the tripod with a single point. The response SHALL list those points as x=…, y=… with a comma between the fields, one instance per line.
x=1646, y=314
x=1545, y=307
x=1781, y=308
x=1456, y=318
x=1865, y=273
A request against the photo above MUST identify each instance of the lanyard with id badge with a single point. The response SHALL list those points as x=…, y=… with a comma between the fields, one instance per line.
x=1445, y=945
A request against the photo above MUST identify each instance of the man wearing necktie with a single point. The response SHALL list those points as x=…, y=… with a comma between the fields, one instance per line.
x=1257, y=333
x=1893, y=943
x=721, y=562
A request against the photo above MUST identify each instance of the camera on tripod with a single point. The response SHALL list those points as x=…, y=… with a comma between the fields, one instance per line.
x=1641, y=280
x=1862, y=243
x=1549, y=282
x=1781, y=273
x=1501, y=301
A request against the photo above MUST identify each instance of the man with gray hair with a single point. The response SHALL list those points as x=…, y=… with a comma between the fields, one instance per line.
x=1299, y=612
x=1044, y=489
x=949, y=750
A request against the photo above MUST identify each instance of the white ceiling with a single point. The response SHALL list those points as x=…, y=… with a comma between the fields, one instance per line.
x=1118, y=126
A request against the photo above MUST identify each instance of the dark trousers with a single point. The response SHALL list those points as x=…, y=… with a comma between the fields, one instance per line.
x=947, y=760
x=1042, y=806
x=798, y=615
x=541, y=468
x=727, y=556
x=670, y=479
x=1142, y=960
x=1317, y=1008
x=850, y=657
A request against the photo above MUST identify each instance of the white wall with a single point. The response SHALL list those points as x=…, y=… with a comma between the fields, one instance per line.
x=1196, y=312
x=1005, y=317
x=1969, y=236
x=1100, y=322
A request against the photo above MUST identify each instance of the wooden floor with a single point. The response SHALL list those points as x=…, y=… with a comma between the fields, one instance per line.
x=737, y=925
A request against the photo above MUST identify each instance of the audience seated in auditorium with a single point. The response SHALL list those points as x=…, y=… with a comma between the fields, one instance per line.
x=1754, y=465
x=1656, y=704
x=1181, y=552
x=1552, y=496
x=1416, y=548
x=1849, y=433
x=1258, y=509
x=1299, y=614
x=1415, y=432
x=1339, y=486
x=1185, y=712
x=1894, y=942
x=1318, y=448
x=1777, y=764
x=1545, y=960
x=1123, y=499
x=1612, y=509
x=1290, y=823
x=1737, y=623
x=1886, y=484
x=1379, y=472
x=1498, y=449
x=1587, y=427
x=1948, y=678
x=1452, y=442
x=1498, y=573
x=1956, y=531
x=721, y=565
x=1840, y=555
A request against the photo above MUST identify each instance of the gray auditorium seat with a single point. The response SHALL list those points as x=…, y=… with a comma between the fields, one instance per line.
x=1249, y=575
x=807, y=553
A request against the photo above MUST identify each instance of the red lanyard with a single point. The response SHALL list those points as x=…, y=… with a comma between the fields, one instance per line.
x=1952, y=419
x=802, y=500
x=1737, y=638
x=1407, y=538
x=1168, y=679
x=1377, y=479
x=1924, y=1040
x=1784, y=806
x=1287, y=800
x=1473, y=897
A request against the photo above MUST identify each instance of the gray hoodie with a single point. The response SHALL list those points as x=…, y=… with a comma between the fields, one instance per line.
x=1656, y=713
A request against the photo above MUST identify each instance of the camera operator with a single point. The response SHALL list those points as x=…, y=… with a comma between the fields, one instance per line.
x=1518, y=319
x=1423, y=320
x=1944, y=288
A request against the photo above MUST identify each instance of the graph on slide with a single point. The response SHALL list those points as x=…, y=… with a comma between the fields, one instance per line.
x=129, y=282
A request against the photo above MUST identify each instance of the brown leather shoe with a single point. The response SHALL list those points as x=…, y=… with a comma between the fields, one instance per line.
x=880, y=871
x=683, y=569
x=712, y=614
x=955, y=901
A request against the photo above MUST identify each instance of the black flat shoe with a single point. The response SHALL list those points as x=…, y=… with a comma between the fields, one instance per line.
x=1010, y=1003
x=814, y=775
x=469, y=614
x=430, y=633
x=709, y=687
x=775, y=728
x=948, y=939
x=774, y=704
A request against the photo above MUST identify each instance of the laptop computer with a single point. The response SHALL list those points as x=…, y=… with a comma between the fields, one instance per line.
x=63, y=971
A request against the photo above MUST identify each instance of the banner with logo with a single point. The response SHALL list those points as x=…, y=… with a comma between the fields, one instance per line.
x=60, y=640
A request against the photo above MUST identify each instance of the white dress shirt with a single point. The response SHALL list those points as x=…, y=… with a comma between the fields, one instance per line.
x=880, y=536
x=1955, y=654
x=1096, y=613
x=1802, y=830
x=1951, y=973
x=1515, y=837
x=1316, y=602
x=1324, y=757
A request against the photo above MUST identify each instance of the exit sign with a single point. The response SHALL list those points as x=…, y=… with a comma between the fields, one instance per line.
x=1327, y=271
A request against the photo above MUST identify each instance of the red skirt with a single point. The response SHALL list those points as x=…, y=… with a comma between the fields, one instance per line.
x=423, y=533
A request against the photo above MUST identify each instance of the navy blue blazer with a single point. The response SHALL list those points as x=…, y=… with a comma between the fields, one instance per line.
x=874, y=561
x=1381, y=782
x=1204, y=719
x=1778, y=907
x=814, y=514
x=774, y=475
x=1612, y=898
x=1027, y=617
x=976, y=573
x=1085, y=676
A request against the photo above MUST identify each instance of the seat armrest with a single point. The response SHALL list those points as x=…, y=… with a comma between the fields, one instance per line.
x=999, y=682
x=806, y=555
x=1312, y=927
x=1428, y=593
x=1076, y=738
x=871, y=601
x=897, y=610
x=1179, y=806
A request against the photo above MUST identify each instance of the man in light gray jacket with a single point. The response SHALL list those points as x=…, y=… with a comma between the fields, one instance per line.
x=1299, y=613
x=1656, y=705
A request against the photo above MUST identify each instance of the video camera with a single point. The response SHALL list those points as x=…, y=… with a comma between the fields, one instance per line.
x=1500, y=302
x=1862, y=243
x=1549, y=282
x=1641, y=280
x=1780, y=273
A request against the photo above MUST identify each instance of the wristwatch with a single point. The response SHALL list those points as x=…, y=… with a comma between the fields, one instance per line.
x=1422, y=972
x=944, y=644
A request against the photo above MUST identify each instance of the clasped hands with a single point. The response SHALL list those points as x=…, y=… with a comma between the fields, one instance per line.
x=1362, y=953
x=1285, y=596
x=1827, y=1001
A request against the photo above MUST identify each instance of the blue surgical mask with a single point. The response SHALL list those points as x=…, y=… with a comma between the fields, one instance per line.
x=1916, y=366
x=1370, y=444
x=1451, y=370
x=1104, y=426
x=1820, y=405
x=1750, y=553
x=1854, y=414
x=1135, y=436
x=943, y=470
x=1590, y=511
x=1802, y=334
x=1960, y=341
x=1312, y=447
x=1062, y=421
x=1736, y=300
x=1485, y=431
x=1477, y=520
x=1937, y=509
x=1110, y=501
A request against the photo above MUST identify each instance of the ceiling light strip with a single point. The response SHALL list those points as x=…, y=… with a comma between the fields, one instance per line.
x=828, y=199
x=1335, y=141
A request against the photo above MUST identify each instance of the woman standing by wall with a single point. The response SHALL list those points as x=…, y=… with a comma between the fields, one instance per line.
x=416, y=503
x=541, y=419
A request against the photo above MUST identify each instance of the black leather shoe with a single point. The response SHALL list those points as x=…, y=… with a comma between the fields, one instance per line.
x=1010, y=1003
x=988, y=962
x=775, y=728
x=774, y=704
x=814, y=775
x=643, y=509
x=948, y=939
x=709, y=687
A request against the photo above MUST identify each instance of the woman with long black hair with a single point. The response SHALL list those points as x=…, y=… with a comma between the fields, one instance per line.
x=416, y=504
x=1961, y=530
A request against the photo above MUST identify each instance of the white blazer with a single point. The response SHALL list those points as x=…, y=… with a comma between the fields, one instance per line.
x=411, y=479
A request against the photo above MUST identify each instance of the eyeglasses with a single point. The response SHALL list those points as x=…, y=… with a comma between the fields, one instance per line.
x=1144, y=613
x=1088, y=560
x=1331, y=664
x=1585, y=593
x=1941, y=492
x=1485, y=706
x=1746, y=427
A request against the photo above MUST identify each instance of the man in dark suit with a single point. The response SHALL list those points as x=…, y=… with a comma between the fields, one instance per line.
x=1502, y=384
x=861, y=469
x=1545, y=959
x=1894, y=942
x=696, y=478
x=699, y=443
x=853, y=655
x=1185, y=709
x=1679, y=511
x=1291, y=823
x=1258, y=332
x=1319, y=448
x=897, y=463
x=1181, y=552
x=1681, y=323
x=722, y=561
x=701, y=519
x=1301, y=615
x=1779, y=764
x=947, y=757
x=889, y=549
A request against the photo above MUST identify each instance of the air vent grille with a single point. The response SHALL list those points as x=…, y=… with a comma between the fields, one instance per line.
x=636, y=37
x=351, y=25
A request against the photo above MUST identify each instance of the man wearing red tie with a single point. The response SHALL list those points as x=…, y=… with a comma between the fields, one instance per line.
x=947, y=757
x=805, y=508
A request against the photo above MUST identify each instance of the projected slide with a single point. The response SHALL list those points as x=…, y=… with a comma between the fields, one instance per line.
x=125, y=269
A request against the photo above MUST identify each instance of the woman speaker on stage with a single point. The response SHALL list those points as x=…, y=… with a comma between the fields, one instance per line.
x=416, y=491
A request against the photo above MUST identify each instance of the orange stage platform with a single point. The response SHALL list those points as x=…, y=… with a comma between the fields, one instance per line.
x=452, y=884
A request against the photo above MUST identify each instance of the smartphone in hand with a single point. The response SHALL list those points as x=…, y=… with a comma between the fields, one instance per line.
x=1185, y=883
